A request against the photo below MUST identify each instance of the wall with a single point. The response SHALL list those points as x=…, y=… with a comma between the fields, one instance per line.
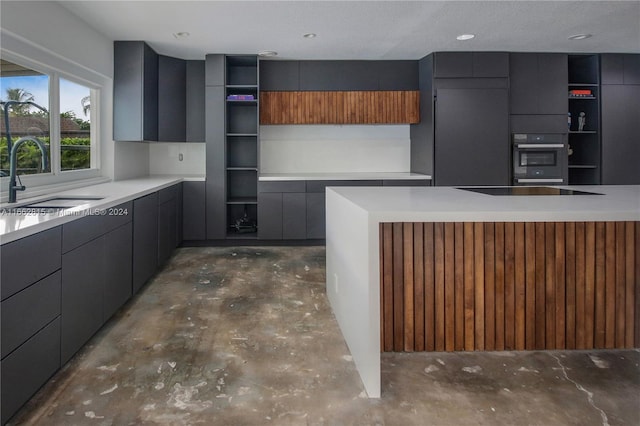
x=164, y=158
x=334, y=148
x=46, y=32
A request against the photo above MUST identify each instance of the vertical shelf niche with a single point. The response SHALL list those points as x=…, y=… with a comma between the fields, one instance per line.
x=241, y=142
x=584, y=97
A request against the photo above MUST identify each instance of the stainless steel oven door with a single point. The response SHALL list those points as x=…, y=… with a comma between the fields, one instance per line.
x=539, y=163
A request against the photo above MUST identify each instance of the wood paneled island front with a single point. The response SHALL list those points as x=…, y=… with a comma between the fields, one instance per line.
x=446, y=269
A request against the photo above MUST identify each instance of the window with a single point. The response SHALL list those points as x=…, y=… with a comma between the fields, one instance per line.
x=51, y=117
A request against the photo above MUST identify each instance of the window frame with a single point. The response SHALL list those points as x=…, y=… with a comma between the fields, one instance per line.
x=57, y=176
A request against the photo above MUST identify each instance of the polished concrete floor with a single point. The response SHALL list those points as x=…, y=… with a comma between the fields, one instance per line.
x=245, y=336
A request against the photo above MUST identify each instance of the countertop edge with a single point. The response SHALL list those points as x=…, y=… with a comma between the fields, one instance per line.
x=265, y=177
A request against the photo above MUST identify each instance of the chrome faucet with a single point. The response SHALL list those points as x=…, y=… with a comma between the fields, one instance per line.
x=13, y=160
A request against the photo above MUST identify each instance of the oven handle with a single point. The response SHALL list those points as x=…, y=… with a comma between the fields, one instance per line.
x=540, y=180
x=540, y=145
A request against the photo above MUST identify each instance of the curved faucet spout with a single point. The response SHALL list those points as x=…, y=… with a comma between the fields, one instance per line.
x=13, y=160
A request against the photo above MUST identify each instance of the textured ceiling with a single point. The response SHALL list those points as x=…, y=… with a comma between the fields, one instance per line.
x=365, y=29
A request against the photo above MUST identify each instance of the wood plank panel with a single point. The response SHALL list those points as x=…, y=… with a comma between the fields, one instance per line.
x=459, y=285
x=495, y=286
x=449, y=286
x=499, y=286
x=398, y=289
x=409, y=313
x=439, y=286
x=560, y=324
x=340, y=107
x=418, y=283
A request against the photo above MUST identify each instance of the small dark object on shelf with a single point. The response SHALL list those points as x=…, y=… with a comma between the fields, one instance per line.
x=245, y=225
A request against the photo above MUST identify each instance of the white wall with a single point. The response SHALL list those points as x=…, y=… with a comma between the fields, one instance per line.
x=46, y=32
x=334, y=148
x=165, y=158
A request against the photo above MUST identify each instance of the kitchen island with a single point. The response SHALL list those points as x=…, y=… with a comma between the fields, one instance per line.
x=435, y=269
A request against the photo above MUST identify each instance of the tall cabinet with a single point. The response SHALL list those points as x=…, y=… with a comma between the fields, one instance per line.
x=232, y=146
x=584, y=119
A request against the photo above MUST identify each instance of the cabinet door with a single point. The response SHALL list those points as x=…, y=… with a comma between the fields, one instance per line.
x=279, y=75
x=552, y=83
x=523, y=81
x=620, y=147
x=166, y=231
x=172, y=106
x=28, y=368
x=193, y=212
x=135, y=92
x=453, y=64
x=612, y=68
x=145, y=239
x=270, y=216
x=83, y=279
x=337, y=75
x=397, y=75
x=294, y=216
x=195, y=101
x=490, y=64
x=216, y=176
x=118, y=267
x=316, y=216
x=472, y=137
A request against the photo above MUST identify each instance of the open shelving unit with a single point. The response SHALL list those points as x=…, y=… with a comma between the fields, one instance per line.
x=584, y=145
x=241, y=141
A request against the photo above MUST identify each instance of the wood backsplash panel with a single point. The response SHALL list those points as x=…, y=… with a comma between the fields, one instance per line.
x=509, y=286
x=354, y=107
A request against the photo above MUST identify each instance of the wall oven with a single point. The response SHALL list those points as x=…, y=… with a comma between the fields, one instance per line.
x=540, y=159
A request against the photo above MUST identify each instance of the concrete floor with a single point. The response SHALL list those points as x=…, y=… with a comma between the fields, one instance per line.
x=245, y=336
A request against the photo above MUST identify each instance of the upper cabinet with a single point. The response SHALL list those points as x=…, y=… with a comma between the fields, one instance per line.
x=135, y=92
x=620, y=68
x=471, y=64
x=338, y=92
x=156, y=97
x=538, y=83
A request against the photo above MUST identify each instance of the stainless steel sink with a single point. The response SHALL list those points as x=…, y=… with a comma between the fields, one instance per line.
x=50, y=205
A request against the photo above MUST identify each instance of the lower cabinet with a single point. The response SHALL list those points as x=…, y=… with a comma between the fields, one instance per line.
x=167, y=223
x=118, y=269
x=145, y=239
x=316, y=217
x=193, y=211
x=294, y=216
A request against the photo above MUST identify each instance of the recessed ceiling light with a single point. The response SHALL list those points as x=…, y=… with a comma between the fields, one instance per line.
x=267, y=53
x=181, y=34
x=463, y=37
x=579, y=36
x=310, y=35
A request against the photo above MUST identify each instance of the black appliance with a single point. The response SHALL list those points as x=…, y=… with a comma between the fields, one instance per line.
x=540, y=159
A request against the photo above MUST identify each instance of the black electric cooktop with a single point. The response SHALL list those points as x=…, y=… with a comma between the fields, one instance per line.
x=526, y=190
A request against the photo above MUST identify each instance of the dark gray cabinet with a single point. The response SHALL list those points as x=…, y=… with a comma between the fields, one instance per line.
x=135, y=92
x=270, y=215
x=538, y=83
x=316, y=215
x=471, y=64
x=620, y=111
x=195, y=100
x=472, y=137
x=282, y=210
x=118, y=269
x=145, y=239
x=294, y=216
x=193, y=211
x=338, y=75
x=620, y=68
x=167, y=223
x=83, y=281
x=26, y=369
x=30, y=311
x=172, y=101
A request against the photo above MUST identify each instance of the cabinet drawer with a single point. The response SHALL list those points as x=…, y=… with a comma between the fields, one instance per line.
x=281, y=186
x=28, y=260
x=320, y=185
x=81, y=231
x=29, y=367
x=25, y=313
x=167, y=194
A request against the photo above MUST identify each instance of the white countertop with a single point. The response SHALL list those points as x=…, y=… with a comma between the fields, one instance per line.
x=343, y=176
x=429, y=204
x=16, y=226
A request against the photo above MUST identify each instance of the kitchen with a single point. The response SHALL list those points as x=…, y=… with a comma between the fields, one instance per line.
x=234, y=175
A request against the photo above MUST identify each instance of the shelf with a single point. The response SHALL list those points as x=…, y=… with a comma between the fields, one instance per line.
x=242, y=101
x=242, y=235
x=583, y=85
x=584, y=132
x=241, y=134
x=582, y=97
x=243, y=200
x=583, y=166
x=251, y=169
x=241, y=86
